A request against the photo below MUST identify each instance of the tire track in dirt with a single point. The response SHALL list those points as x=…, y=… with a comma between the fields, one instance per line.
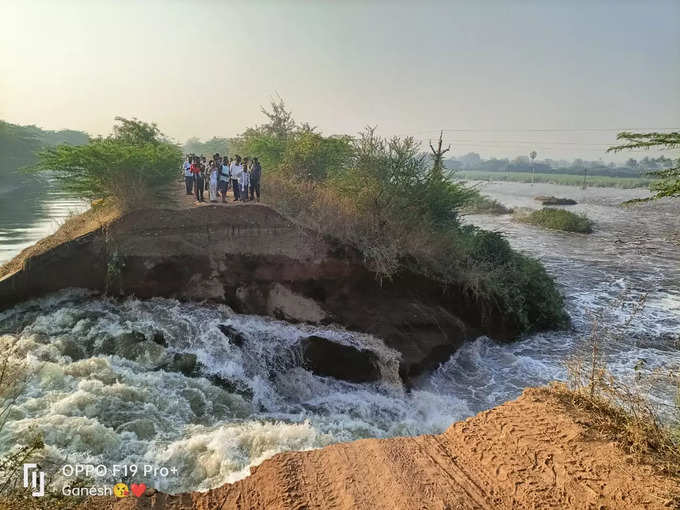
x=525, y=454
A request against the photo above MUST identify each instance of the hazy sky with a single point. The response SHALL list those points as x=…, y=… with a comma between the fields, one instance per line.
x=494, y=73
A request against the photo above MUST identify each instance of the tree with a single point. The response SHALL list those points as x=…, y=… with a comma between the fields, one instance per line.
x=532, y=155
x=281, y=123
x=668, y=184
x=132, y=166
x=209, y=147
x=310, y=155
x=136, y=132
x=438, y=156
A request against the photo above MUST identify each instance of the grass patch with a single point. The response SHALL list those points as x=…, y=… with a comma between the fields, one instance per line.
x=630, y=423
x=624, y=410
x=22, y=499
x=550, y=200
x=481, y=204
x=598, y=181
x=558, y=219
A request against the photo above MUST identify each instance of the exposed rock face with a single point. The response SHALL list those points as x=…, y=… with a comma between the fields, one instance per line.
x=327, y=358
x=234, y=336
x=258, y=262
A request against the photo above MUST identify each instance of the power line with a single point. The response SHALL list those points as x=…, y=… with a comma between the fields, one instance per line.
x=455, y=141
x=545, y=130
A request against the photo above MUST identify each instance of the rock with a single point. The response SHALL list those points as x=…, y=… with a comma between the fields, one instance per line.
x=327, y=358
x=123, y=345
x=159, y=338
x=143, y=428
x=223, y=383
x=234, y=336
x=133, y=346
x=196, y=400
x=184, y=363
x=71, y=349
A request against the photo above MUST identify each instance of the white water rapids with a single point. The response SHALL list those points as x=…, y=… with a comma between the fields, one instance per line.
x=98, y=404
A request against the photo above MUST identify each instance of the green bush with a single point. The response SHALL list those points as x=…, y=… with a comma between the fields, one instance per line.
x=133, y=166
x=518, y=284
x=480, y=204
x=392, y=202
x=559, y=219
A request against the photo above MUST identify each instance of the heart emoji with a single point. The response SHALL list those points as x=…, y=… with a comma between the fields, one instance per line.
x=138, y=489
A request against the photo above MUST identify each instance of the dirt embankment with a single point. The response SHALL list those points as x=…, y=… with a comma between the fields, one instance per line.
x=527, y=454
x=253, y=259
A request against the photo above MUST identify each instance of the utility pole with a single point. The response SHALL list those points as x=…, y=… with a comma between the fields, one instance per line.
x=585, y=177
x=438, y=156
x=532, y=155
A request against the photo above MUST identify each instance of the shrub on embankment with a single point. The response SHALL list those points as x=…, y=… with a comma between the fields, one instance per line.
x=401, y=210
x=559, y=219
x=485, y=205
x=132, y=167
x=387, y=198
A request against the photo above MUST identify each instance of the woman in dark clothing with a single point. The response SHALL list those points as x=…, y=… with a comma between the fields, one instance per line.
x=255, y=175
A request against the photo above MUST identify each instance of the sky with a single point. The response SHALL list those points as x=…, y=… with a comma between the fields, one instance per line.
x=501, y=78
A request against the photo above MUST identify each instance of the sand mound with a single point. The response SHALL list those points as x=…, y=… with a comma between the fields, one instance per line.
x=529, y=453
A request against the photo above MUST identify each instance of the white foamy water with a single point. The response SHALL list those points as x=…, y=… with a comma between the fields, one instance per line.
x=96, y=401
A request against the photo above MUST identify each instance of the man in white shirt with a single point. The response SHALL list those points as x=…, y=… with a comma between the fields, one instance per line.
x=188, y=177
x=236, y=170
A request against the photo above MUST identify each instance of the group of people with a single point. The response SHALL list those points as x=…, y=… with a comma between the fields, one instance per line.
x=221, y=173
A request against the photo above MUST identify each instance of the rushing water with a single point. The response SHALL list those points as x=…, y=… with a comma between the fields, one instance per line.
x=97, y=398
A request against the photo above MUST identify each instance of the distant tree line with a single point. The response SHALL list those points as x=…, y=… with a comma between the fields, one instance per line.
x=632, y=167
x=214, y=145
x=19, y=145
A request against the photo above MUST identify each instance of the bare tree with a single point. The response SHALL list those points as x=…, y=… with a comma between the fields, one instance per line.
x=438, y=156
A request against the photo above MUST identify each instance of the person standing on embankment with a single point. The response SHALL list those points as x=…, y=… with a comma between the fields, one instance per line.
x=236, y=171
x=197, y=172
x=213, y=180
x=244, y=181
x=188, y=176
x=223, y=184
x=255, y=175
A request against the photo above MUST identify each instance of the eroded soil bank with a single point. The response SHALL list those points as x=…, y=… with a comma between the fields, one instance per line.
x=258, y=262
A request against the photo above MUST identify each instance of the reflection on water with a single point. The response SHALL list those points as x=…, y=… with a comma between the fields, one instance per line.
x=30, y=209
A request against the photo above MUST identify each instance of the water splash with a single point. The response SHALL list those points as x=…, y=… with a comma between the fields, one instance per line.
x=99, y=396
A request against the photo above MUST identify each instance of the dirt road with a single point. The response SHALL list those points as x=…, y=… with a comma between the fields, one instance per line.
x=525, y=454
